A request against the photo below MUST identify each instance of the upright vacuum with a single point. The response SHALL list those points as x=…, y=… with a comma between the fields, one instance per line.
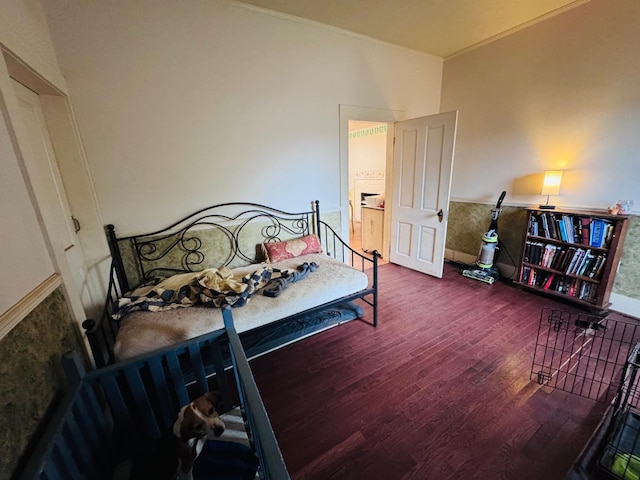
x=484, y=269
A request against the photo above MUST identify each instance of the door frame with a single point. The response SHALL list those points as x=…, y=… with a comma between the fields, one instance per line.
x=365, y=114
x=74, y=170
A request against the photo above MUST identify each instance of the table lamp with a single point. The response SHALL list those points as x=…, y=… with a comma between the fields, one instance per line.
x=551, y=186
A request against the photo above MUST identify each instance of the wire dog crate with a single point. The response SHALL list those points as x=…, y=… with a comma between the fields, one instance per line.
x=596, y=358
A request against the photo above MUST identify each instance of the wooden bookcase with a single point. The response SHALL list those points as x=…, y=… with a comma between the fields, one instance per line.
x=563, y=256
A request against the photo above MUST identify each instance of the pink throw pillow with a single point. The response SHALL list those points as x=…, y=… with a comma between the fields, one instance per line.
x=276, y=251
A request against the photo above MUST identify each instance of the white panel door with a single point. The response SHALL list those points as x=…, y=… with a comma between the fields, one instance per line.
x=49, y=189
x=422, y=165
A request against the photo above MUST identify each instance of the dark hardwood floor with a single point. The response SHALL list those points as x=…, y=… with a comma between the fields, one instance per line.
x=439, y=390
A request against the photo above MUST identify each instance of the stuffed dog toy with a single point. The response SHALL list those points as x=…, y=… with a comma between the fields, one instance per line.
x=196, y=422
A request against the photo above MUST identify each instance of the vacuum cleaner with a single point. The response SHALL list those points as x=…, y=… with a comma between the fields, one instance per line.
x=484, y=269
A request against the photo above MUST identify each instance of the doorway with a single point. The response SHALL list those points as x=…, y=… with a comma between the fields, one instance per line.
x=367, y=177
x=417, y=182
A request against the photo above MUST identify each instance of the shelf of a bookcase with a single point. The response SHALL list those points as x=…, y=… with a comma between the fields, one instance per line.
x=565, y=296
x=559, y=272
x=571, y=244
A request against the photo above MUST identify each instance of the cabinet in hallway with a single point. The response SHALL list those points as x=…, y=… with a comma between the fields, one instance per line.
x=372, y=228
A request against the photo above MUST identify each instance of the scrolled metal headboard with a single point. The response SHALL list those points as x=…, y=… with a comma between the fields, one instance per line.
x=227, y=234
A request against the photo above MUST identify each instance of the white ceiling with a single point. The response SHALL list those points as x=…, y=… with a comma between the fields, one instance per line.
x=439, y=27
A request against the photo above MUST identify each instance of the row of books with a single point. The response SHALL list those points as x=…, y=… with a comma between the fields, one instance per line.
x=591, y=231
x=575, y=287
x=568, y=259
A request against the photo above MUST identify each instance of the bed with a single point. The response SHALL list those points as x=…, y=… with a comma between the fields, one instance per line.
x=314, y=281
x=112, y=419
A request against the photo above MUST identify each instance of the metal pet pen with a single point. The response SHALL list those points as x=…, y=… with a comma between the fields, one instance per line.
x=596, y=358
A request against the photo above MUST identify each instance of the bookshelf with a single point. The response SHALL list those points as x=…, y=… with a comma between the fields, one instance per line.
x=572, y=255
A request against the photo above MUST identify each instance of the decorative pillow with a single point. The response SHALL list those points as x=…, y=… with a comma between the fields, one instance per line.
x=276, y=251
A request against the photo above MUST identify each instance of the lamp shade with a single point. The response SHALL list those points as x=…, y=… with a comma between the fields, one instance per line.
x=551, y=182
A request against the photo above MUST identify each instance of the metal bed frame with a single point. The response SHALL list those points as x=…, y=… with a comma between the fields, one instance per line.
x=186, y=246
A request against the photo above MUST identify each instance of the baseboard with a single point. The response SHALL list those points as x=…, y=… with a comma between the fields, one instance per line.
x=459, y=257
x=625, y=305
x=25, y=306
x=506, y=269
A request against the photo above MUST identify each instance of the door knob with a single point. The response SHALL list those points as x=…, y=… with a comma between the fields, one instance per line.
x=440, y=215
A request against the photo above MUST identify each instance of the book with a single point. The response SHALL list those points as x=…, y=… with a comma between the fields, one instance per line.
x=586, y=229
x=575, y=260
x=547, y=257
x=567, y=259
x=596, y=264
x=579, y=235
x=556, y=253
x=551, y=221
x=576, y=236
x=563, y=230
x=527, y=251
x=548, y=281
x=608, y=235
x=597, y=232
x=534, y=226
x=586, y=266
x=557, y=261
x=545, y=225
x=532, y=220
x=584, y=261
x=538, y=249
x=568, y=226
x=600, y=267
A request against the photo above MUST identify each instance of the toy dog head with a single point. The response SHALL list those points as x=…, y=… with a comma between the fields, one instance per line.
x=196, y=422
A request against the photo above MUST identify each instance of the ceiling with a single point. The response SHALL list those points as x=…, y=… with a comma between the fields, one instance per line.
x=440, y=27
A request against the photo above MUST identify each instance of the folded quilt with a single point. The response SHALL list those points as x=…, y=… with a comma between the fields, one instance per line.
x=213, y=287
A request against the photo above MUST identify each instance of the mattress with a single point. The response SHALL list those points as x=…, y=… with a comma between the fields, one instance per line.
x=142, y=332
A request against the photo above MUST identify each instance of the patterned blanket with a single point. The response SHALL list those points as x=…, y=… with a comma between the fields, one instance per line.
x=213, y=287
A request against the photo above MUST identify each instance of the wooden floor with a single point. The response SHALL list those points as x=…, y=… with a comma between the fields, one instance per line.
x=439, y=390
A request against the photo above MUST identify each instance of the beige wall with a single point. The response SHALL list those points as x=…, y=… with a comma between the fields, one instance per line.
x=560, y=94
x=184, y=104
x=24, y=32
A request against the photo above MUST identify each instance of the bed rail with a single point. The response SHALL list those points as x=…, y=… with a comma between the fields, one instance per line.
x=264, y=439
x=337, y=248
x=113, y=414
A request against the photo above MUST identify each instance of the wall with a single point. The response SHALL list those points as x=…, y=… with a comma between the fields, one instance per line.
x=30, y=375
x=185, y=104
x=24, y=31
x=560, y=94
